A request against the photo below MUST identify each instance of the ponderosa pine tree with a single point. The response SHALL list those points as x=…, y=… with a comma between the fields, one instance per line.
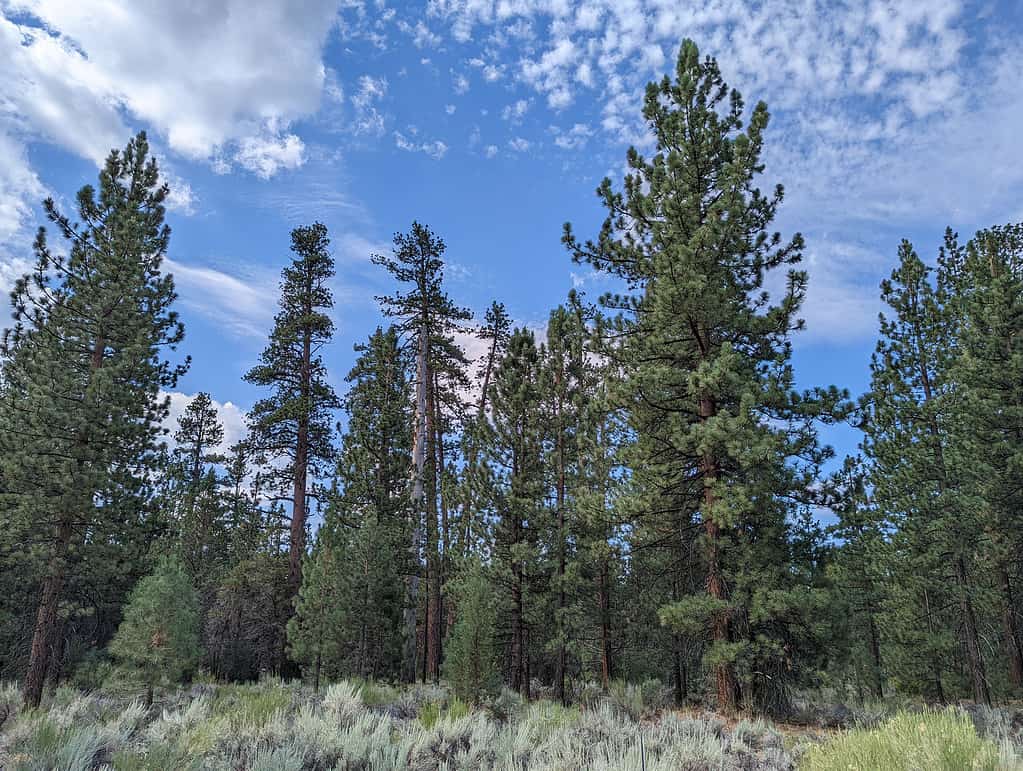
x=722, y=435
x=563, y=372
x=240, y=498
x=294, y=422
x=203, y=534
x=471, y=662
x=918, y=483
x=159, y=636
x=427, y=318
x=348, y=620
x=516, y=452
x=858, y=582
x=475, y=476
x=82, y=369
x=986, y=293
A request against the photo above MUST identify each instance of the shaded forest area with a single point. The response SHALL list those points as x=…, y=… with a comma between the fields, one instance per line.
x=632, y=495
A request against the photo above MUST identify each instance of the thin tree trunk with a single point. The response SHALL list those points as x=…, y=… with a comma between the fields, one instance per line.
x=1010, y=628
x=679, y=673
x=468, y=510
x=433, y=569
x=560, y=502
x=604, y=602
x=981, y=694
x=877, y=683
x=301, y=467
x=935, y=664
x=418, y=490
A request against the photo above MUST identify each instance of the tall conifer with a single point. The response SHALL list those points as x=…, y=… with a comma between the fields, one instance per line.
x=83, y=368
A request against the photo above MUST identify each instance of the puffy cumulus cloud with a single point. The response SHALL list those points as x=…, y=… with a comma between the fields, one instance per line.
x=573, y=138
x=519, y=144
x=516, y=111
x=206, y=76
x=231, y=417
x=265, y=155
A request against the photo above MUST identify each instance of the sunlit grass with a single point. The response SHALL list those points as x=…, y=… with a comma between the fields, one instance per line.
x=929, y=741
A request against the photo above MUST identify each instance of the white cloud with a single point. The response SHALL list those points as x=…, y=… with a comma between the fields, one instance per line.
x=550, y=74
x=265, y=156
x=421, y=35
x=20, y=189
x=491, y=70
x=516, y=111
x=450, y=109
x=460, y=84
x=368, y=119
x=572, y=139
x=242, y=304
x=519, y=144
x=435, y=149
x=231, y=417
x=204, y=76
x=490, y=151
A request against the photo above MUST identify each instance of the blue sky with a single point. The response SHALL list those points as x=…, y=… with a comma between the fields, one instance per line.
x=493, y=122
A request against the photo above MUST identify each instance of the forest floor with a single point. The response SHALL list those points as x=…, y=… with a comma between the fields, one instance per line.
x=277, y=726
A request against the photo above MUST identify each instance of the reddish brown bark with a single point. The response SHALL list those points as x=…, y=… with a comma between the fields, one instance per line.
x=726, y=682
x=46, y=617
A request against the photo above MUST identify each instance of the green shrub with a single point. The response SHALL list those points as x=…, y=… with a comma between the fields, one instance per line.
x=429, y=714
x=935, y=741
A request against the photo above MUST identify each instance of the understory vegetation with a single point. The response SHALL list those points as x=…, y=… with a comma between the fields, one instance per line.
x=359, y=725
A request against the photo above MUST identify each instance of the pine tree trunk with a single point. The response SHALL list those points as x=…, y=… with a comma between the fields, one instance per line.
x=678, y=673
x=520, y=682
x=301, y=467
x=418, y=489
x=560, y=502
x=604, y=601
x=433, y=569
x=468, y=510
x=1010, y=628
x=726, y=684
x=46, y=618
x=877, y=684
x=975, y=659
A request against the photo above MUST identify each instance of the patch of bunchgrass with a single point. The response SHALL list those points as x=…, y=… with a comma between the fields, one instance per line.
x=934, y=741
